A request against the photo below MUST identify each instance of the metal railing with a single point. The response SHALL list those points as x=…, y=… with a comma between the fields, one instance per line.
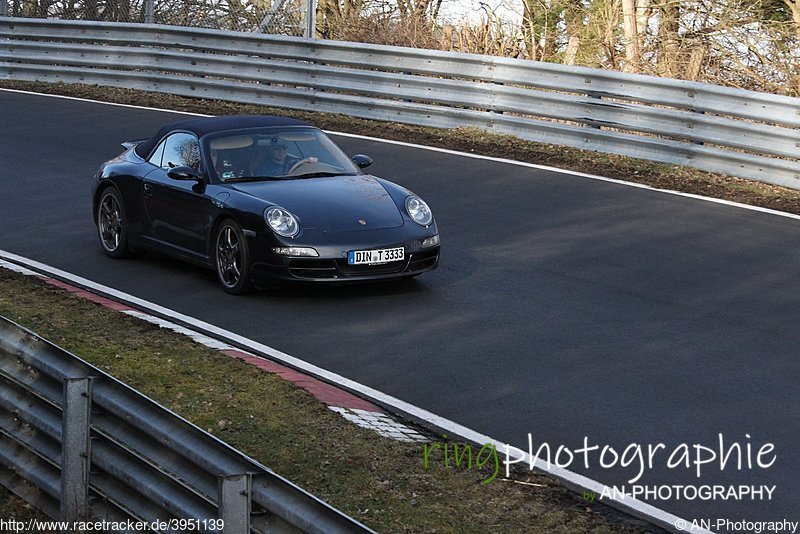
x=96, y=448
x=743, y=133
x=281, y=17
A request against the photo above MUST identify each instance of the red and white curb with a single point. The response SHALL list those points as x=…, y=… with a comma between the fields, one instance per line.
x=355, y=409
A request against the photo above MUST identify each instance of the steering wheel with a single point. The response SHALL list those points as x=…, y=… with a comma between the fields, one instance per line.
x=305, y=161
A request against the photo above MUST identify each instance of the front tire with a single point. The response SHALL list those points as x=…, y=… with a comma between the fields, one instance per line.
x=112, y=224
x=232, y=258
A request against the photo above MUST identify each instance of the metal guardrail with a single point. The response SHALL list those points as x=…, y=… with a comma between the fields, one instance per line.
x=718, y=129
x=75, y=442
x=281, y=17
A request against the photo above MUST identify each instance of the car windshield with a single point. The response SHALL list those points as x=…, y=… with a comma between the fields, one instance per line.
x=275, y=154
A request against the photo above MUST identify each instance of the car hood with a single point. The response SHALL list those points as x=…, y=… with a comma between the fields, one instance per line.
x=333, y=204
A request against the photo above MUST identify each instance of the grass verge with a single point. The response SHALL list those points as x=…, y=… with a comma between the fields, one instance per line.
x=663, y=176
x=376, y=480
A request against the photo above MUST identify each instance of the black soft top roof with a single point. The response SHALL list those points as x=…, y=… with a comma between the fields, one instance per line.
x=202, y=126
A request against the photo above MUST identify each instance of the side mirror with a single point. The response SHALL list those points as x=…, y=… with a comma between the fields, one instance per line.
x=185, y=173
x=362, y=161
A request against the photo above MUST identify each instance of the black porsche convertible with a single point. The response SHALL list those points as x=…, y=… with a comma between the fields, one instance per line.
x=260, y=199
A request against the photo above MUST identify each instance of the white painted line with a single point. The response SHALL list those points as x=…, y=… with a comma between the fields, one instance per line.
x=642, y=508
x=89, y=100
x=17, y=268
x=466, y=155
x=571, y=173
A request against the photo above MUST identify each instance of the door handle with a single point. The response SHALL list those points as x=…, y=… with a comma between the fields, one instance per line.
x=148, y=189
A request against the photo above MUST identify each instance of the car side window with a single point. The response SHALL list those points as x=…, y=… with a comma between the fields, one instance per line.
x=155, y=159
x=180, y=149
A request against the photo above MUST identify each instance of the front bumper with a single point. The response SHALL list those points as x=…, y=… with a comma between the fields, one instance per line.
x=337, y=269
x=332, y=266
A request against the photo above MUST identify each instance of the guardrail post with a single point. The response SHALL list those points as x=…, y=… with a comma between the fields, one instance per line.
x=234, y=502
x=75, y=451
x=3, y=8
x=149, y=11
x=311, y=19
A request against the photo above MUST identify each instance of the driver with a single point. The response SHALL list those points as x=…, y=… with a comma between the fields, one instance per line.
x=275, y=161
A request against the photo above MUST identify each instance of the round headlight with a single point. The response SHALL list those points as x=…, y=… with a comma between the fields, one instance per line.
x=418, y=210
x=282, y=222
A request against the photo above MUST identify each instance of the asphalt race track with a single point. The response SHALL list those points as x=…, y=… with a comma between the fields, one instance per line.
x=563, y=307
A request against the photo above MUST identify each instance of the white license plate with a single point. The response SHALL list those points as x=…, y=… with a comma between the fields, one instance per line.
x=374, y=257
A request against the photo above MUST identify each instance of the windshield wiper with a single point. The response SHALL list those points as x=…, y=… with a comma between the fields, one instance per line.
x=320, y=174
x=253, y=179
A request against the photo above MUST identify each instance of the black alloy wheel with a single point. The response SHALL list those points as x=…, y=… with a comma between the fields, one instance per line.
x=232, y=258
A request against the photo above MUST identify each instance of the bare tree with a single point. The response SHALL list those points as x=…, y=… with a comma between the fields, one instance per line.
x=668, y=38
x=574, y=17
x=540, y=20
x=632, y=49
x=794, y=8
x=416, y=9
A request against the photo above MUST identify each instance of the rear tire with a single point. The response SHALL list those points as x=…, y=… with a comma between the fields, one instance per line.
x=112, y=224
x=232, y=258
